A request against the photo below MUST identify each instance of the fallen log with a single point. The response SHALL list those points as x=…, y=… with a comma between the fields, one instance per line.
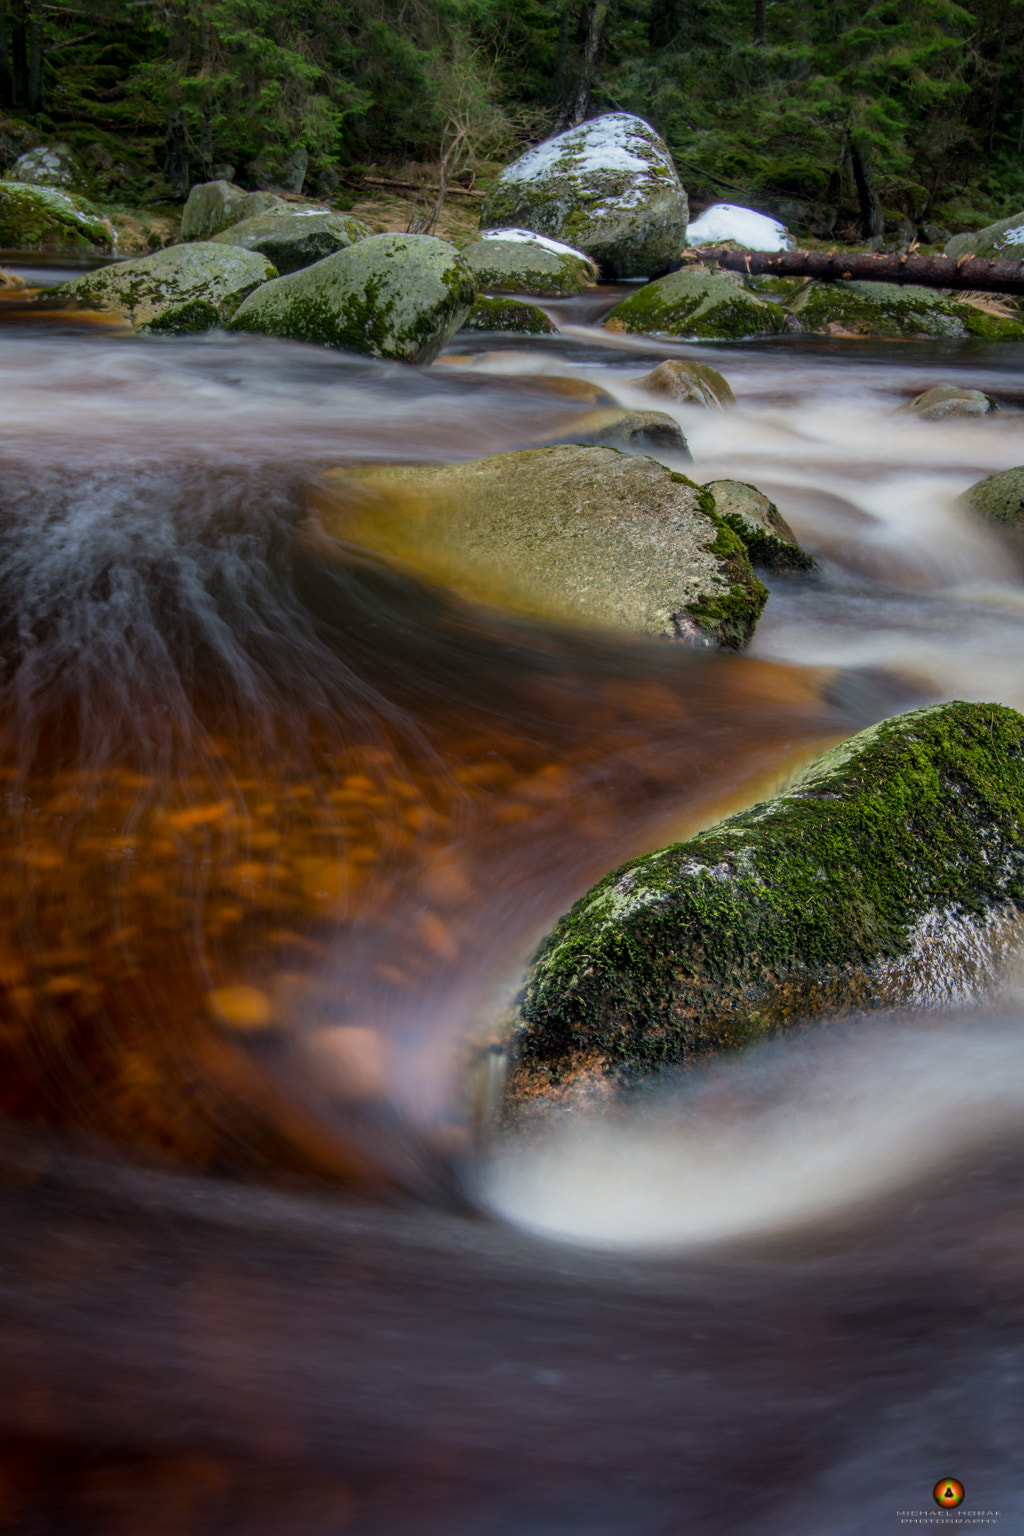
x=971, y=273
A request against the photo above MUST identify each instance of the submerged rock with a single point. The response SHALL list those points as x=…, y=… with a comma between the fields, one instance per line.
x=890, y=873
x=518, y=261
x=949, y=400
x=45, y=219
x=183, y=288
x=688, y=383
x=608, y=188
x=401, y=297
x=695, y=303
x=999, y=498
x=215, y=205
x=769, y=540
x=580, y=535
x=633, y=431
x=295, y=239
x=508, y=315
x=885, y=309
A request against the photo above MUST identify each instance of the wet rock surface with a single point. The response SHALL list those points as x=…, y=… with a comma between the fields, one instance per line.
x=890, y=873
x=687, y=383
x=944, y=400
x=489, y=314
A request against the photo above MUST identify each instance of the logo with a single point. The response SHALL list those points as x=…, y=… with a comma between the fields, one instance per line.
x=948, y=1493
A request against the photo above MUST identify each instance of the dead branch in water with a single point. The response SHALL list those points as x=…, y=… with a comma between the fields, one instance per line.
x=969, y=272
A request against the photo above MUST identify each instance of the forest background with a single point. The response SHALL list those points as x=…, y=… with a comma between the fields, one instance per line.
x=841, y=116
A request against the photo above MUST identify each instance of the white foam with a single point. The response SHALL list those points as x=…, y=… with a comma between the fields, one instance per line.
x=727, y=221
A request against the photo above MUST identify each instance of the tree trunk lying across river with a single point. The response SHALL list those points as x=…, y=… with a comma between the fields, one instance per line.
x=969, y=272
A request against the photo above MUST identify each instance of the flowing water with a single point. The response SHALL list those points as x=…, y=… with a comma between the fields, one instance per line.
x=281, y=826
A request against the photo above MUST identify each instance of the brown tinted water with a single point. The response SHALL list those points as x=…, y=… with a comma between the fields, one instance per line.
x=281, y=827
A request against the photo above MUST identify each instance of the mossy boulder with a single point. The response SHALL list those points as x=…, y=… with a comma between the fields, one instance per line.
x=890, y=873
x=214, y=206
x=998, y=498
x=508, y=315
x=608, y=187
x=292, y=240
x=50, y=165
x=518, y=261
x=944, y=400
x=1002, y=241
x=888, y=309
x=401, y=297
x=695, y=303
x=181, y=289
x=651, y=432
x=46, y=219
x=579, y=535
x=770, y=541
x=687, y=383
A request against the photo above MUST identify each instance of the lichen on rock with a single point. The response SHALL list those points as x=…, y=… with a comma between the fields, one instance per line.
x=695, y=303
x=889, y=873
x=608, y=187
x=586, y=536
x=184, y=288
x=392, y=296
x=34, y=218
x=518, y=261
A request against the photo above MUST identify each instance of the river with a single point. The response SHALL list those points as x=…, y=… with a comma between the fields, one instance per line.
x=281, y=828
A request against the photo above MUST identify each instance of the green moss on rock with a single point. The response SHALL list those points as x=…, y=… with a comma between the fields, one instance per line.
x=292, y=240
x=688, y=383
x=528, y=266
x=44, y=219
x=184, y=288
x=891, y=872
x=770, y=541
x=998, y=498
x=392, y=296
x=698, y=304
x=885, y=309
x=489, y=314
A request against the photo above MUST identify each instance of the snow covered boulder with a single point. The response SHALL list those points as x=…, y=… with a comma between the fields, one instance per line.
x=608, y=188
x=518, y=261
x=741, y=226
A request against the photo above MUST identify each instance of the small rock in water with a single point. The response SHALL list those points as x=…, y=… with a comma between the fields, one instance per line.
x=688, y=383
x=634, y=431
x=889, y=873
x=769, y=539
x=579, y=535
x=489, y=314
x=998, y=498
x=950, y=400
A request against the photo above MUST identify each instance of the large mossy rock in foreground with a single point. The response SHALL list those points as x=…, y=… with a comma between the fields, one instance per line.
x=184, y=288
x=608, y=188
x=580, y=535
x=888, y=309
x=400, y=297
x=45, y=219
x=998, y=498
x=699, y=304
x=890, y=873
x=292, y=240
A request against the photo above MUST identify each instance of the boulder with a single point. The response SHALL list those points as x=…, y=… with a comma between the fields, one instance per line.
x=608, y=187
x=216, y=205
x=890, y=873
x=695, y=303
x=1002, y=241
x=998, y=498
x=45, y=219
x=508, y=315
x=183, y=288
x=50, y=165
x=295, y=238
x=578, y=535
x=393, y=296
x=740, y=226
x=632, y=431
x=885, y=309
x=949, y=400
x=687, y=383
x=770, y=541
x=516, y=261
x=280, y=170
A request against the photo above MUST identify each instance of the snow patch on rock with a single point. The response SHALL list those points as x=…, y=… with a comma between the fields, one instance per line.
x=528, y=236
x=727, y=221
